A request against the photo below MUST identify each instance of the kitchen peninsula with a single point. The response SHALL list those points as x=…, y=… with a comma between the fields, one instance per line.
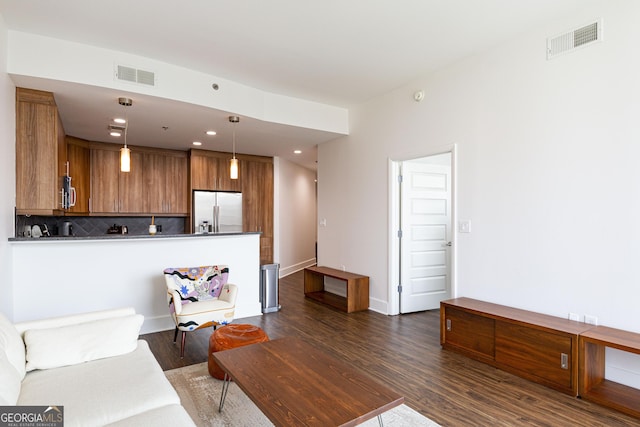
x=80, y=266
x=55, y=276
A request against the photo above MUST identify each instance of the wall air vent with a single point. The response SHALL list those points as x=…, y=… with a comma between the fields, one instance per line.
x=133, y=75
x=580, y=37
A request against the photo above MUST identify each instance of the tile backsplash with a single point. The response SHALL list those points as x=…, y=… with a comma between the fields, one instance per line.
x=97, y=226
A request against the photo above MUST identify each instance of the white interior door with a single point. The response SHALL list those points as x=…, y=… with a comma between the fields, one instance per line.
x=425, y=222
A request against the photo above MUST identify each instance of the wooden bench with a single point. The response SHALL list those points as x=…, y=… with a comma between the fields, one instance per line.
x=357, y=286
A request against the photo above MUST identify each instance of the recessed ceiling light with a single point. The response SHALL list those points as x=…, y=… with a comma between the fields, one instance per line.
x=297, y=151
x=119, y=120
x=197, y=143
x=211, y=132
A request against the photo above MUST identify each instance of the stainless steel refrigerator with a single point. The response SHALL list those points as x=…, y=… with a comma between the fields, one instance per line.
x=217, y=212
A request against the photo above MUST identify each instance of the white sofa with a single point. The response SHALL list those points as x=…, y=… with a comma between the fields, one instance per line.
x=91, y=364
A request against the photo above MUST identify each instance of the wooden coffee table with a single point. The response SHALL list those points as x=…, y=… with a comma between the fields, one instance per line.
x=296, y=384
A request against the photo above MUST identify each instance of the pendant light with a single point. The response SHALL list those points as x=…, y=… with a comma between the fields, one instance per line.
x=233, y=164
x=125, y=152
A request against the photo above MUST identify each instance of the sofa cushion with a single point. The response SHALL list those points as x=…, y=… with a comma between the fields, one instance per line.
x=10, y=381
x=69, y=345
x=102, y=391
x=73, y=319
x=12, y=345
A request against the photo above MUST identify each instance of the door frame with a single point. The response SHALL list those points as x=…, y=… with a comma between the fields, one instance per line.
x=393, y=296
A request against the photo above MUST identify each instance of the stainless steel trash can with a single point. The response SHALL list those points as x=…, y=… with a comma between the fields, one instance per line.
x=269, y=287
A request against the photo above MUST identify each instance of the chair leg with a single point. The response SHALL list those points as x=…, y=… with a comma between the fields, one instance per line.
x=175, y=335
x=184, y=337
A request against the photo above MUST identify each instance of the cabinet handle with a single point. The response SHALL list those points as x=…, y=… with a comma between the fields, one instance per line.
x=564, y=361
x=448, y=323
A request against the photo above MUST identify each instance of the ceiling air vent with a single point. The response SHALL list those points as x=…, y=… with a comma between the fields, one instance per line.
x=133, y=75
x=580, y=37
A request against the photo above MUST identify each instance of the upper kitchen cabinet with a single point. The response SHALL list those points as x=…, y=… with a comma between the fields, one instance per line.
x=79, y=164
x=39, y=142
x=113, y=191
x=210, y=170
x=165, y=182
x=105, y=167
x=156, y=184
x=131, y=185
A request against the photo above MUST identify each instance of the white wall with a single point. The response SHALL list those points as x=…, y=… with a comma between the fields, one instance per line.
x=296, y=218
x=547, y=155
x=7, y=174
x=547, y=171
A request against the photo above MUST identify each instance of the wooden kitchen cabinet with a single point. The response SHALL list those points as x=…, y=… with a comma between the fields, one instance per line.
x=105, y=193
x=257, y=202
x=113, y=191
x=165, y=182
x=39, y=139
x=177, y=184
x=210, y=170
x=79, y=158
x=154, y=181
x=131, y=185
x=535, y=346
x=156, y=184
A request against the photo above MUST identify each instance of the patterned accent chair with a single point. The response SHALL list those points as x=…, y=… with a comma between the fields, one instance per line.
x=199, y=297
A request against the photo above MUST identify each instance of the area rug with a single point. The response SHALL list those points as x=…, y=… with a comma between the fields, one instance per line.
x=200, y=395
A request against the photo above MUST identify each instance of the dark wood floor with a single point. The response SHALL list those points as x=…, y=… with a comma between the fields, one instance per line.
x=404, y=352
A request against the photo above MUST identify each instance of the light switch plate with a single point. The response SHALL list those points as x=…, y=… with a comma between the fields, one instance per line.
x=464, y=226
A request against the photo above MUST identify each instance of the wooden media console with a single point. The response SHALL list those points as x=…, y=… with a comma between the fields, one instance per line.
x=566, y=355
x=538, y=347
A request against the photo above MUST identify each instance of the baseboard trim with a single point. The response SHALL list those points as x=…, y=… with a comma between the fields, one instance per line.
x=296, y=267
x=378, y=306
x=157, y=324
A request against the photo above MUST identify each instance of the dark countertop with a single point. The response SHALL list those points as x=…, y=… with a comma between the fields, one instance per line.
x=124, y=237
